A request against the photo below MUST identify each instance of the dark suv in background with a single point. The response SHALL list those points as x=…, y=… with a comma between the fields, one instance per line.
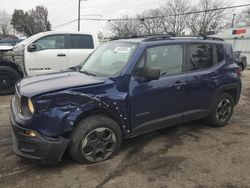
x=241, y=60
x=124, y=89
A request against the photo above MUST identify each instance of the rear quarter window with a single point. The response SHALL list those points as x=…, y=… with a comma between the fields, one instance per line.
x=219, y=53
x=81, y=42
x=203, y=56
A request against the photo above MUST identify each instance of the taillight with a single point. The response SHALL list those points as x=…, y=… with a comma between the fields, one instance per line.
x=238, y=71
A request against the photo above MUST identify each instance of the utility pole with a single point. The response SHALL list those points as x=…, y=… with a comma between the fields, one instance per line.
x=79, y=15
x=233, y=20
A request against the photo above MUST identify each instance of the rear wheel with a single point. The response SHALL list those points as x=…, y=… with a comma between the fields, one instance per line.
x=8, y=79
x=222, y=111
x=95, y=139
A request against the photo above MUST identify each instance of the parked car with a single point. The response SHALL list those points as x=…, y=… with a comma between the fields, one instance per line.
x=44, y=53
x=10, y=42
x=125, y=88
x=241, y=60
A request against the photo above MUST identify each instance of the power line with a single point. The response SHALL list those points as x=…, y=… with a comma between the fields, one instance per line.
x=61, y=8
x=163, y=16
x=155, y=17
x=66, y=23
x=138, y=4
x=129, y=7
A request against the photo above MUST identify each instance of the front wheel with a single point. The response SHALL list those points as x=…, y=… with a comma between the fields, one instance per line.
x=8, y=79
x=221, y=111
x=95, y=139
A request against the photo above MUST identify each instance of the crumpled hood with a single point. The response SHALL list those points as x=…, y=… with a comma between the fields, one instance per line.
x=32, y=86
x=6, y=48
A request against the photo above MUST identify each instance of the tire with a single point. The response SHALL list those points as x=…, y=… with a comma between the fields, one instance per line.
x=221, y=111
x=8, y=79
x=95, y=139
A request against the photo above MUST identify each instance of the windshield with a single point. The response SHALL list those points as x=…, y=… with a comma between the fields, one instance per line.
x=109, y=59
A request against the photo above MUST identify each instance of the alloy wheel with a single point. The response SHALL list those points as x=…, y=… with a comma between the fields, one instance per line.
x=223, y=110
x=99, y=144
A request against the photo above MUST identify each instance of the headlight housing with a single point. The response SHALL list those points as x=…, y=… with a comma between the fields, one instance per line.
x=31, y=106
x=28, y=107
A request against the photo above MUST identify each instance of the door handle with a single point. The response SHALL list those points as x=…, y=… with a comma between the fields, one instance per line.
x=180, y=84
x=216, y=77
x=61, y=55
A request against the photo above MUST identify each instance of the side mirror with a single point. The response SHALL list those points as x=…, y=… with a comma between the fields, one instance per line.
x=151, y=73
x=32, y=47
x=76, y=68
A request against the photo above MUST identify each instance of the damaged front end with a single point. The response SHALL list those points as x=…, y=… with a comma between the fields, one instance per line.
x=46, y=134
x=57, y=114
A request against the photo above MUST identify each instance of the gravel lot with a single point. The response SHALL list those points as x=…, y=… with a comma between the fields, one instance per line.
x=189, y=155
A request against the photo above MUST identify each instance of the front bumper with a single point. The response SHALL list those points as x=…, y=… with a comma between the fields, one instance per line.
x=39, y=148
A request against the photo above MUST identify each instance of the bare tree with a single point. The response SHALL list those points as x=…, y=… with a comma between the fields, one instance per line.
x=176, y=16
x=5, y=25
x=247, y=16
x=151, y=26
x=153, y=22
x=242, y=18
x=124, y=28
x=202, y=22
x=175, y=20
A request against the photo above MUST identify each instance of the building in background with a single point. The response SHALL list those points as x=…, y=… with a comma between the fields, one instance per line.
x=239, y=38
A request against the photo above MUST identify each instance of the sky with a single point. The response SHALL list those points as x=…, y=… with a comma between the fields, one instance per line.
x=63, y=11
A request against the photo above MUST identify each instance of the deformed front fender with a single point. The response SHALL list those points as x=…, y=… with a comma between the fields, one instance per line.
x=114, y=106
x=66, y=109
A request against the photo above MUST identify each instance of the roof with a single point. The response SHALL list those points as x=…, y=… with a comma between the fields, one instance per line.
x=68, y=32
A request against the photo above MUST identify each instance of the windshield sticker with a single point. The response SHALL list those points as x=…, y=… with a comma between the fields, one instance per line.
x=122, y=50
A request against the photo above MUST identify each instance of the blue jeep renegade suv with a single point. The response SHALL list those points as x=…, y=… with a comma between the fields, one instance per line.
x=125, y=88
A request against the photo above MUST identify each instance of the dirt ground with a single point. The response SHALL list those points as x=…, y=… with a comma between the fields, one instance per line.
x=189, y=155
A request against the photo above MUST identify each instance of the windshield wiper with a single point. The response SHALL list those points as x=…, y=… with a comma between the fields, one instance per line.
x=88, y=73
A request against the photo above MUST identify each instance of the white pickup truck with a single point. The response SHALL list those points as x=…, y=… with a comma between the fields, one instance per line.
x=43, y=53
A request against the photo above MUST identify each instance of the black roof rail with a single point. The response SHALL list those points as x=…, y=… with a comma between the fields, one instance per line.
x=157, y=37
x=214, y=38
x=118, y=38
x=204, y=37
x=169, y=36
x=148, y=37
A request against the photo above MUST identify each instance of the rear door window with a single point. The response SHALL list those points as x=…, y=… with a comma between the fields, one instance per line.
x=81, y=42
x=200, y=56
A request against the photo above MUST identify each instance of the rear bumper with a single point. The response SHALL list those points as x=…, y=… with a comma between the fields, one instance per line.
x=39, y=148
x=244, y=65
x=238, y=93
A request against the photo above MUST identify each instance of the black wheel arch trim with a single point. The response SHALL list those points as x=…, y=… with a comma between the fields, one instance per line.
x=224, y=88
x=8, y=63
